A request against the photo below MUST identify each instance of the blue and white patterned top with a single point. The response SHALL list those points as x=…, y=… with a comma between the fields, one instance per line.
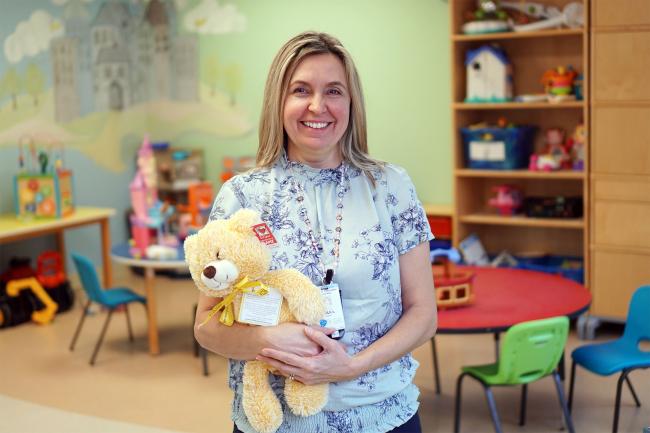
x=379, y=224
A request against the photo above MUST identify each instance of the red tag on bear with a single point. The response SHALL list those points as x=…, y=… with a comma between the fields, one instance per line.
x=263, y=233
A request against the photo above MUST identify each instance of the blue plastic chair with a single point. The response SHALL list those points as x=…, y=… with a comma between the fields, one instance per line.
x=621, y=355
x=110, y=299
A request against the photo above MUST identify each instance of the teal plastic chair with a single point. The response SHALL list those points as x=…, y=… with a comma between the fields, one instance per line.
x=529, y=352
x=109, y=299
x=621, y=355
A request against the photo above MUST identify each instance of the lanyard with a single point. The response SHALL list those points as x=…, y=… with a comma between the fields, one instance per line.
x=302, y=212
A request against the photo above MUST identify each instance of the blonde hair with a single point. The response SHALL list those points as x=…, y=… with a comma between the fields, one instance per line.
x=272, y=137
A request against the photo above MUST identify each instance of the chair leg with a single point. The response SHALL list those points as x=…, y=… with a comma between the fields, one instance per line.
x=79, y=326
x=629, y=385
x=493, y=409
x=197, y=348
x=459, y=384
x=571, y=382
x=204, y=359
x=522, y=406
x=617, y=406
x=128, y=322
x=560, y=396
x=101, y=337
x=436, y=371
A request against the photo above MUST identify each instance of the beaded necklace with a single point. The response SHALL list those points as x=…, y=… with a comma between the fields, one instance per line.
x=304, y=216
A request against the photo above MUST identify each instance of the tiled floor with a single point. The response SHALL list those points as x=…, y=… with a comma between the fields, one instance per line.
x=47, y=389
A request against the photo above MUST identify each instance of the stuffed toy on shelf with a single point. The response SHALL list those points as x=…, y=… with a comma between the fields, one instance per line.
x=230, y=259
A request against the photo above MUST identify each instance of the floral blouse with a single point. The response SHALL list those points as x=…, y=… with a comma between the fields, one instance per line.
x=378, y=224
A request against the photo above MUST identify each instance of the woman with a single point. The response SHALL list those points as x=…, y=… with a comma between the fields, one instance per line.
x=333, y=208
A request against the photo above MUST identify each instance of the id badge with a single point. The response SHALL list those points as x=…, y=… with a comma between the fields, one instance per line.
x=263, y=310
x=333, y=310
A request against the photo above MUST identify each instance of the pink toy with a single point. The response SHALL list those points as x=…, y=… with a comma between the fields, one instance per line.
x=148, y=212
x=556, y=156
x=508, y=199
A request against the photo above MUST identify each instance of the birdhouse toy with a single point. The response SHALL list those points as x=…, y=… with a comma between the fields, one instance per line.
x=489, y=75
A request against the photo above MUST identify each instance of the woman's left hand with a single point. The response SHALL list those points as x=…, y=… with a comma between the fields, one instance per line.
x=333, y=364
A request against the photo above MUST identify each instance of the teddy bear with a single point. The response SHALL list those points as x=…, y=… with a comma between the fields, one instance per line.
x=227, y=259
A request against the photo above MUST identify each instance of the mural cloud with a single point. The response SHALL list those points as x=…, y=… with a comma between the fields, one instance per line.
x=32, y=36
x=63, y=2
x=211, y=18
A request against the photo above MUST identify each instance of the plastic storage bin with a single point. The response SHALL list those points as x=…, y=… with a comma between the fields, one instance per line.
x=568, y=267
x=498, y=148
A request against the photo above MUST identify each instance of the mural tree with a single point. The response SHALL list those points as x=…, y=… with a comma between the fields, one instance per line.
x=34, y=82
x=12, y=85
x=211, y=73
x=233, y=77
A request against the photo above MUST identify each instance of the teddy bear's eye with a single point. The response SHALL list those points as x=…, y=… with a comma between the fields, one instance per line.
x=218, y=255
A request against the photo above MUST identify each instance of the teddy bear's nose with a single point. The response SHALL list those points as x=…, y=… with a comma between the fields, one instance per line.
x=209, y=271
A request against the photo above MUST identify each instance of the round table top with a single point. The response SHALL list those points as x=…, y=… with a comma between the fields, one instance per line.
x=120, y=253
x=504, y=297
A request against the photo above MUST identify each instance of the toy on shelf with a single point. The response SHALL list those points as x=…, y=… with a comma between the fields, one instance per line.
x=547, y=17
x=195, y=214
x=558, y=83
x=487, y=18
x=42, y=188
x=577, y=147
x=231, y=166
x=453, y=287
x=178, y=168
x=489, y=75
x=508, y=199
x=556, y=155
x=149, y=212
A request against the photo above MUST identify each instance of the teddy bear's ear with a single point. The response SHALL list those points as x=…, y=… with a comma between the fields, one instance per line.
x=242, y=221
x=189, y=246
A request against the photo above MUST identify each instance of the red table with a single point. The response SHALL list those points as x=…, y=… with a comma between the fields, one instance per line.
x=504, y=297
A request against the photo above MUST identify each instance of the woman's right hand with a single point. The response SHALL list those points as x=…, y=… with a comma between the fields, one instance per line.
x=290, y=337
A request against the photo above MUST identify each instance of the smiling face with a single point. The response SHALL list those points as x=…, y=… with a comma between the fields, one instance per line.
x=317, y=111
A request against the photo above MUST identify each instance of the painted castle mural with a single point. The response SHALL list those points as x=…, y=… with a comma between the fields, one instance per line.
x=121, y=58
x=96, y=73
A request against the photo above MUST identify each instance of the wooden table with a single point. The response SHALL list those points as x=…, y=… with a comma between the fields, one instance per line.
x=12, y=230
x=121, y=254
x=504, y=297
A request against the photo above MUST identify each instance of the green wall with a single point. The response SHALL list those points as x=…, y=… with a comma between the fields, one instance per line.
x=402, y=52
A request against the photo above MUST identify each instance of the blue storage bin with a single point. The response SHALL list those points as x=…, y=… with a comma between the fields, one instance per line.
x=568, y=267
x=444, y=244
x=498, y=148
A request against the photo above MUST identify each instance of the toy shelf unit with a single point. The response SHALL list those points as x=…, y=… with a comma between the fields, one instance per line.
x=520, y=115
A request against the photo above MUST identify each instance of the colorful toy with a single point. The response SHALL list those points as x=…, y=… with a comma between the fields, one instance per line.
x=556, y=156
x=548, y=17
x=232, y=167
x=199, y=203
x=558, y=83
x=489, y=75
x=49, y=269
x=453, y=288
x=487, y=18
x=508, y=199
x=148, y=212
x=42, y=316
x=577, y=147
x=228, y=259
x=42, y=190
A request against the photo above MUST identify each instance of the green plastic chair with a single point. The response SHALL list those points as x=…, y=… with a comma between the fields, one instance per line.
x=529, y=352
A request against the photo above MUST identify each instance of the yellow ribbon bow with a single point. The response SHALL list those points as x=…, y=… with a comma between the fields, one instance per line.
x=244, y=286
